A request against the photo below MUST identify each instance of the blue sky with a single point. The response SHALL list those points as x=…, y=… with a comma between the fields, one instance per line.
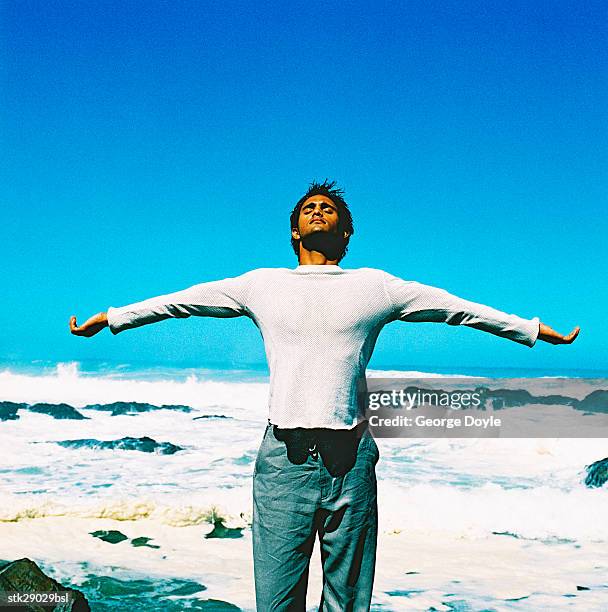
x=149, y=146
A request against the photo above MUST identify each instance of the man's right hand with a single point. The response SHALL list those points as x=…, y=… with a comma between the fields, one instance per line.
x=548, y=334
x=90, y=327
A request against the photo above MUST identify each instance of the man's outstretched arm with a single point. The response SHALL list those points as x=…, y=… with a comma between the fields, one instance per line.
x=413, y=301
x=223, y=298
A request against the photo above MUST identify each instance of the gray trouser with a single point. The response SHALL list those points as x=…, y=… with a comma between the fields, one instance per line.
x=302, y=486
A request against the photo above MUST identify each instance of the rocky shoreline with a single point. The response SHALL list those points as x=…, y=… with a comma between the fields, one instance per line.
x=24, y=577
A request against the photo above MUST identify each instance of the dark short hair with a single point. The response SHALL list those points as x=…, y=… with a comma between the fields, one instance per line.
x=336, y=195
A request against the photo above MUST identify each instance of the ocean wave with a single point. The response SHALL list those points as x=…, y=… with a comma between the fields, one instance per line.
x=67, y=385
x=542, y=513
x=371, y=373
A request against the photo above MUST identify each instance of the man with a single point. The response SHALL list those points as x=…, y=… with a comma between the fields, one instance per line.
x=315, y=469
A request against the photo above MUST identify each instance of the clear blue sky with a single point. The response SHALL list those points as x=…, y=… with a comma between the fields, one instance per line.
x=148, y=146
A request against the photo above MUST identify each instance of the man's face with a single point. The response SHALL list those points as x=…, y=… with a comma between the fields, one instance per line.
x=317, y=214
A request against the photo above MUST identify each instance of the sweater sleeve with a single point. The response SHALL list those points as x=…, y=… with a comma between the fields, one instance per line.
x=222, y=298
x=413, y=301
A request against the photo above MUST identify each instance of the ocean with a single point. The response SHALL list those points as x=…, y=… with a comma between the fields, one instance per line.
x=119, y=497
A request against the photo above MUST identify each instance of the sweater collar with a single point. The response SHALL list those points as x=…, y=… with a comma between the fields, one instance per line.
x=318, y=268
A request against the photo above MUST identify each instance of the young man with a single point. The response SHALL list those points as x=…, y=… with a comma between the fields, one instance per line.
x=315, y=469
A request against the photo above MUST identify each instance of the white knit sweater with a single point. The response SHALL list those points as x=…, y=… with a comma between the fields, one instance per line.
x=319, y=324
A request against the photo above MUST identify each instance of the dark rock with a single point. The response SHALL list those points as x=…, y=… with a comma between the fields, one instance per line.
x=118, y=408
x=511, y=398
x=8, y=410
x=507, y=398
x=112, y=536
x=221, y=531
x=556, y=400
x=506, y=533
x=597, y=473
x=596, y=401
x=143, y=541
x=185, y=587
x=143, y=444
x=58, y=411
x=24, y=576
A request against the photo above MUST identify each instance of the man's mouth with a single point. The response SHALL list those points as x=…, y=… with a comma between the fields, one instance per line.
x=317, y=221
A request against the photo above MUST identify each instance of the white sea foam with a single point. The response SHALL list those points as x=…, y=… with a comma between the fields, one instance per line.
x=543, y=513
x=232, y=506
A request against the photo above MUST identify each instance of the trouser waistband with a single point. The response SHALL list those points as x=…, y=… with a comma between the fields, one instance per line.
x=317, y=434
x=337, y=446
